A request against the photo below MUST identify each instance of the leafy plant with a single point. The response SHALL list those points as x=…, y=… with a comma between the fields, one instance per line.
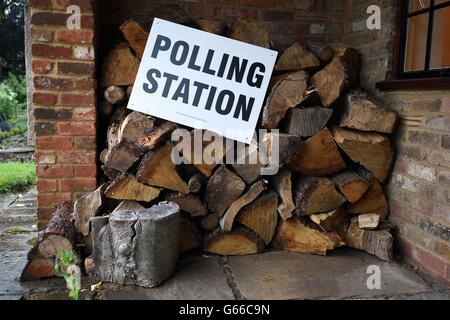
x=67, y=268
x=13, y=96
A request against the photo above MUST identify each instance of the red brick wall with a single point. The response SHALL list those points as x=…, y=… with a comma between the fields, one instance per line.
x=419, y=189
x=64, y=103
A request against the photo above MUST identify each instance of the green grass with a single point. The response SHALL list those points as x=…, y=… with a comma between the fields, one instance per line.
x=16, y=176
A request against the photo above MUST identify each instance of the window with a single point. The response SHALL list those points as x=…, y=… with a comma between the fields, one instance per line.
x=425, y=39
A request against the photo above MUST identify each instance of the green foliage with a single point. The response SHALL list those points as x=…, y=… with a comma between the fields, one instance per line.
x=16, y=176
x=64, y=260
x=13, y=96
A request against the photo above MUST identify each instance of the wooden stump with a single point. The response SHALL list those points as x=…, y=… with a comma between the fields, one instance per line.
x=136, y=247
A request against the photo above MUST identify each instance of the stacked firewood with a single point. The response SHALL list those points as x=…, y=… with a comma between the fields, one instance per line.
x=335, y=154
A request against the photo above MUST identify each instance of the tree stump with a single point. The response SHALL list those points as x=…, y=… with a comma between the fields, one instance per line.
x=136, y=247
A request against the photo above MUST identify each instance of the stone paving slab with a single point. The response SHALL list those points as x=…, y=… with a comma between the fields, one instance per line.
x=195, y=278
x=341, y=275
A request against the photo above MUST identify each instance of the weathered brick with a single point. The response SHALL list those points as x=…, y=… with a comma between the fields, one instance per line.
x=44, y=50
x=84, y=113
x=44, y=128
x=49, y=83
x=49, y=18
x=54, y=171
x=233, y=12
x=296, y=4
x=203, y=10
x=76, y=128
x=422, y=137
x=53, y=143
x=69, y=99
x=406, y=183
x=85, y=143
x=46, y=185
x=423, y=104
x=277, y=15
x=85, y=5
x=445, y=143
x=41, y=35
x=52, y=114
x=86, y=171
x=421, y=172
x=78, y=184
x=258, y=3
x=75, y=36
x=76, y=68
x=40, y=4
x=77, y=157
x=85, y=84
x=445, y=107
x=45, y=157
x=44, y=99
x=44, y=214
x=42, y=66
x=438, y=123
x=292, y=28
x=443, y=213
x=84, y=53
x=436, y=229
x=444, y=178
x=52, y=199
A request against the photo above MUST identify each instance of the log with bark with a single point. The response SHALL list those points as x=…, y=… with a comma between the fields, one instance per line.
x=248, y=30
x=120, y=67
x=318, y=156
x=282, y=184
x=323, y=51
x=279, y=148
x=306, y=122
x=157, y=136
x=373, y=201
x=114, y=95
x=295, y=236
x=127, y=187
x=135, y=35
x=330, y=82
x=212, y=26
x=337, y=220
x=288, y=92
x=370, y=149
x=352, y=62
x=240, y=241
x=351, y=185
x=59, y=235
x=210, y=222
x=189, y=203
x=86, y=207
x=368, y=221
x=296, y=57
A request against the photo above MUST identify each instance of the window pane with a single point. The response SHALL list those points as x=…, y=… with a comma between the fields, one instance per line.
x=440, y=47
x=416, y=43
x=415, y=5
x=436, y=2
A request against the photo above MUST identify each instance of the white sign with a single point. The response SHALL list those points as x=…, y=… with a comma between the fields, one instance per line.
x=202, y=80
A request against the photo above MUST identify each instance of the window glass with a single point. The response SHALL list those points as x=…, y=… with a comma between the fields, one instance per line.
x=436, y=2
x=416, y=43
x=440, y=47
x=415, y=5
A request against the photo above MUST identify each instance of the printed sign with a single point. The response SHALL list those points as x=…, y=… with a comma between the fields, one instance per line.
x=202, y=80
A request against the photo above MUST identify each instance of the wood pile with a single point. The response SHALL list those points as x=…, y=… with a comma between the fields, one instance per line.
x=335, y=154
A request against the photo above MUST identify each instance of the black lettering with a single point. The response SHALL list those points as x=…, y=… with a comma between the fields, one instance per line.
x=169, y=78
x=151, y=74
x=207, y=66
x=246, y=108
x=159, y=46
x=193, y=58
x=236, y=69
x=173, y=56
x=230, y=102
x=182, y=91
x=223, y=65
x=198, y=93
x=255, y=80
x=212, y=94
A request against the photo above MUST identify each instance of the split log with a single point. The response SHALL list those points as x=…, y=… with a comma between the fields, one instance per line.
x=135, y=127
x=127, y=205
x=136, y=247
x=190, y=203
x=279, y=148
x=119, y=158
x=323, y=51
x=129, y=91
x=363, y=114
x=376, y=242
x=212, y=26
x=86, y=207
x=114, y=95
x=306, y=122
x=316, y=195
x=248, y=30
x=282, y=184
x=224, y=187
x=59, y=235
x=330, y=82
x=238, y=242
x=189, y=236
x=373, y=201
x=351, y=59
x=318, y=156
x=157, y=136
x=135, y=35
x=370, y=149
x=296, y=57
x=368, y=221
x=157, y=169
x=261, y=216
x=288, y=92
x=226, y=222
x=210, y=222
x=293, y=235
x=336, y=220
x=120, y=67
x=196, y=183
x=247, y=164
x=351, y=185
x=126, y=187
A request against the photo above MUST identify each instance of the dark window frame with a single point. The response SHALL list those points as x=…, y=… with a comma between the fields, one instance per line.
x=400, y=57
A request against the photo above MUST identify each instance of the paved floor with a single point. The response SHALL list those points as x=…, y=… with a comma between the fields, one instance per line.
x=272, y=275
